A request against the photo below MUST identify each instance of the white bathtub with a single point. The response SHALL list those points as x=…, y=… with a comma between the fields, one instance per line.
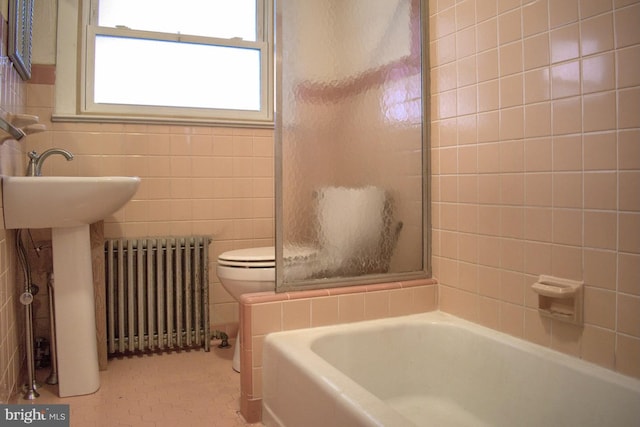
x=434, y=369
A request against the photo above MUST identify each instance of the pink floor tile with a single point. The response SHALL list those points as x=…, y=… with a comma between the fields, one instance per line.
x=191, y=388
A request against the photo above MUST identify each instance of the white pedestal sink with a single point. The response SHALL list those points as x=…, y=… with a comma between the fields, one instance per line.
x=68, y=205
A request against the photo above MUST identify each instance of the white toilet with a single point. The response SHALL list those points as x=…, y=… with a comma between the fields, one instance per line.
x=352, y=224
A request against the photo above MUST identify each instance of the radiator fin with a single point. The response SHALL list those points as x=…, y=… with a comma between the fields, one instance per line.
x=157, y=293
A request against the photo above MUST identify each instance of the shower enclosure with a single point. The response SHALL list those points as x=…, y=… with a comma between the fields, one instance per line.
x=351, y=142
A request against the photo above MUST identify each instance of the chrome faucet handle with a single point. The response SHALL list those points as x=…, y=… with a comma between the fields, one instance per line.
x=33, y=159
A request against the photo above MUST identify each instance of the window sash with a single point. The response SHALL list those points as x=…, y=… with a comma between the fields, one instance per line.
x=90, y=106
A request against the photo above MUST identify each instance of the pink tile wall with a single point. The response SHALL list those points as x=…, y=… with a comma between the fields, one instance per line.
x=536, y=166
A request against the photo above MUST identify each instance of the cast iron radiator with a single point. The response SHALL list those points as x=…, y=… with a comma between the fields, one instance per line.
x=157, y=293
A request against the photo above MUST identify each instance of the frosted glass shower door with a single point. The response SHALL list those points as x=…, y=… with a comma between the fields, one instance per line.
x=351, y=142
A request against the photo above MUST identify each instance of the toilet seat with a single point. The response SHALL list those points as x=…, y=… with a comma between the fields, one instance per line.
x=249, y=258
x=264, y=257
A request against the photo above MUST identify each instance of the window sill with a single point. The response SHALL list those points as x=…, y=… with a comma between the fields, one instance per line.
x=176, y=121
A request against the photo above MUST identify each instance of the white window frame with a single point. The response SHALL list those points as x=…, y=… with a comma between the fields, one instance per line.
x=77, y=30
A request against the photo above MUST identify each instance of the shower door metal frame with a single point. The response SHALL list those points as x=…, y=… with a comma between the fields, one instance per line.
x=426, y=271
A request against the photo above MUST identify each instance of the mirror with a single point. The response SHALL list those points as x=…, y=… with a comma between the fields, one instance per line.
x=20, y=25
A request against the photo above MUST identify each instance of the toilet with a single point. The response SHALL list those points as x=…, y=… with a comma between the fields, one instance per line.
x=251, y=270
x=352, y=224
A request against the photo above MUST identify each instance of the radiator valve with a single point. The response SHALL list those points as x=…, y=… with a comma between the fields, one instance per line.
x=219, y=335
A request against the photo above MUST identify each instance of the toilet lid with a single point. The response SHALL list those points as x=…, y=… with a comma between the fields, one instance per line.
x=264, y=257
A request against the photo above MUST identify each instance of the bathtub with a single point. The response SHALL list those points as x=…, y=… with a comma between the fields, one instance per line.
x=434, y=369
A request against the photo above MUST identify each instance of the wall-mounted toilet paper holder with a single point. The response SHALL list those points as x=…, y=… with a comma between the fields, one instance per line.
x=560, y=298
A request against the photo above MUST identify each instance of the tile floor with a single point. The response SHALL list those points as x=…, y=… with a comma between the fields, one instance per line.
x=186, y=388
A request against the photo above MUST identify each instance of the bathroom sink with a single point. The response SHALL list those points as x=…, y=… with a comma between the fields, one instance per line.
x=68, y=205
x=63, y=201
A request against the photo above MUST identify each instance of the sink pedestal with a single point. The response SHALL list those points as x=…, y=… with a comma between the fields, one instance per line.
x=77, y=350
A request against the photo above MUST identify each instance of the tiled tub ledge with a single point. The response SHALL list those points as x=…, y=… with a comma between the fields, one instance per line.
x=265, y=312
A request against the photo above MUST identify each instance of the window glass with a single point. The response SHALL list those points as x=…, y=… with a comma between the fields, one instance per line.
x=210, y=18
x=148, y=72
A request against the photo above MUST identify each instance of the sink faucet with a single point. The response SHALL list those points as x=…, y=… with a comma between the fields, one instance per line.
x=34, y=168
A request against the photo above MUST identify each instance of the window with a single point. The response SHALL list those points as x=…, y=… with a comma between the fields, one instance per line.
x=162, y=60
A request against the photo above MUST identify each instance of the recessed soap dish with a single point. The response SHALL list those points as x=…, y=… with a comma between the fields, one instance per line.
x=560, y=298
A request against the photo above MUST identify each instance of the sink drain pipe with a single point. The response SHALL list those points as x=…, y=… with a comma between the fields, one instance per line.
x=26, y=299
x=53, y=376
